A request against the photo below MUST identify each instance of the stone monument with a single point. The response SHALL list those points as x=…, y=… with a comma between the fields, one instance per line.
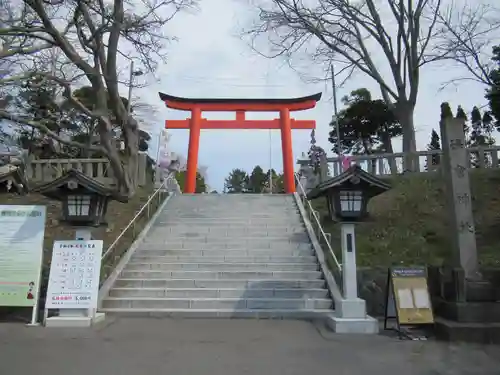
x=455, y=170
x=466, y=302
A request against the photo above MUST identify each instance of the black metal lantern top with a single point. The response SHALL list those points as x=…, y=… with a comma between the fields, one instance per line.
x=348, y=193
x=84, y=199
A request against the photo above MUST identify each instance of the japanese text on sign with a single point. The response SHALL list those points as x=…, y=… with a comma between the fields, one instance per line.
x=463, y=199
x=465, y=226
x=20, y=213
x=456, y=143
x=74, y=274
x=21, y=250
x=460, y=171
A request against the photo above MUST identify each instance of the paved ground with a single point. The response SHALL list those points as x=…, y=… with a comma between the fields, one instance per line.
x=228, y=347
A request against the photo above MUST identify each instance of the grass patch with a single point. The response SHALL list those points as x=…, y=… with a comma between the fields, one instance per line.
x=408, y=225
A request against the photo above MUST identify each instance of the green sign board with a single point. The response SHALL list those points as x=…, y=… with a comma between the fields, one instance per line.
x=22, y=230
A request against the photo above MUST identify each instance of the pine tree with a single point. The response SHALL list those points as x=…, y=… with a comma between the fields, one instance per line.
x=236, y=182
x=480, y=136
x=434, y=144
x=257, y=180
x=462, y=115
x=493, y=93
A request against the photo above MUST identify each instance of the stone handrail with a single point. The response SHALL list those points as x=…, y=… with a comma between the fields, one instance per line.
x=424, y=161
x=46, y=170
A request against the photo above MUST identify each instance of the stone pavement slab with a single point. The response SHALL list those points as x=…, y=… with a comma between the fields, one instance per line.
x=131, y=346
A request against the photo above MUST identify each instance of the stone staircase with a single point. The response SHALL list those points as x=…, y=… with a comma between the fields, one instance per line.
x=234, y=255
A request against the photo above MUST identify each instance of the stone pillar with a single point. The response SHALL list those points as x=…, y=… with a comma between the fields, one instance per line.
x=323, y=168
x=455, y=169
x=142, y=165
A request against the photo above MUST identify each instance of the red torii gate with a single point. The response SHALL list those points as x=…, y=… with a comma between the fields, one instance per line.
x=240, y=106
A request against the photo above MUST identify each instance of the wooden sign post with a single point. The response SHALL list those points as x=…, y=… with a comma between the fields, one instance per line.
x=407, y=298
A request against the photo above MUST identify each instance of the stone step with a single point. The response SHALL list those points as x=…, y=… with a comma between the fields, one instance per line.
x=271, y=198
x=292, y=239
x=268, y=259
x=234, y=197
x=222, y=313
x=216, y=225
x=222, y=275
x=255, y=208
x=242, y=198
x=253, y=211
x=133, y=266
x=279, y=220
x=233, y=210
x=224, y=252
x=221, y=245
x=217, y=284
x=229, y=236
x=218, y=293
x=221, y=230
x=217, y=303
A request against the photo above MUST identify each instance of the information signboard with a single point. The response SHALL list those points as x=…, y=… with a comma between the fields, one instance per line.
x=407, y=297
x=74, y=275
x=22, y=230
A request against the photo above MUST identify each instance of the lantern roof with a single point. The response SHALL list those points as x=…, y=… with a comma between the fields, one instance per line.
x=354, y=178
x=75, y=180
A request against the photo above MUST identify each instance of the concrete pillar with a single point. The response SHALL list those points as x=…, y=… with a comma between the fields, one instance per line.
x=349, y=274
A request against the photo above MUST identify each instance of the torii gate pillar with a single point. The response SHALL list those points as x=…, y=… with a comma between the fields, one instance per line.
x=286, y=149
x=240, y=106
x=193, y=149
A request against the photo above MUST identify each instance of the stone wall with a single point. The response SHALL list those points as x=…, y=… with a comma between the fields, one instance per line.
x=371, y=287
x=372, y=283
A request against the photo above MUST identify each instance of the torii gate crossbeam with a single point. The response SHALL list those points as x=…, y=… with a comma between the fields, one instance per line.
x=240, y=107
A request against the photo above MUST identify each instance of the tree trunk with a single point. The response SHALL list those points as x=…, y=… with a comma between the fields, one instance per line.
x=131, y=136
x=387, y=145
x=405, y=112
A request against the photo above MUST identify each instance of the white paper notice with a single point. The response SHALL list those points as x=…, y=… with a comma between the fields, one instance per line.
x=22, y=231
x=405, y=299
x=421, y=299
x=74, y=275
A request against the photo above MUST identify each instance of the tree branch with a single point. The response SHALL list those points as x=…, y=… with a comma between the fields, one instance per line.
x=5, y=115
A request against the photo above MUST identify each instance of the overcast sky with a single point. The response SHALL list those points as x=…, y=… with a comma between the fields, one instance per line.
x=209, y=60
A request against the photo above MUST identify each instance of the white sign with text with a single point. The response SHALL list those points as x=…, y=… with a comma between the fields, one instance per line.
x=74, y=275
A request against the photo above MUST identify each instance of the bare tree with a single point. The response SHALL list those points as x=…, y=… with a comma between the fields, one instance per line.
x=93, y=37
x=467, y=36
x=355, y=34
